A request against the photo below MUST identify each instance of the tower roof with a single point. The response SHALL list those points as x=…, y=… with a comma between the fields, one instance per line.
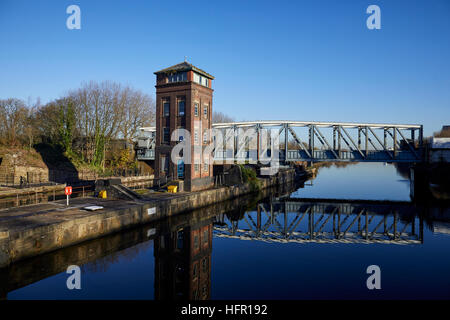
x=184, y=66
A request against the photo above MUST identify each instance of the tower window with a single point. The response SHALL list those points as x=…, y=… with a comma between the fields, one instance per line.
x=196, y=78
x=205, y=111
x=195, y=137
x=164, y=164
x=204, y=81
x=194, y=272
x=181, y=107
x=196, y=109
x=177, y=77
x=180, y=239
x=166, y=135
x=166, y=107
x=204, y=264
x=205, y=236
x=196, y=242
x=205, y=137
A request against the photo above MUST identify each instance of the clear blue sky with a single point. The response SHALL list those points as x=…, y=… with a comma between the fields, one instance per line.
x=299, y=60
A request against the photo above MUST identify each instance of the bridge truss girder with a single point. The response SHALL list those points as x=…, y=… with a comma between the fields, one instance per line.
x=365, y=145
x=347, y=142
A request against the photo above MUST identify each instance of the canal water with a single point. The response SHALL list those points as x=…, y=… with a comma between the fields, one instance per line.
x=310, y=241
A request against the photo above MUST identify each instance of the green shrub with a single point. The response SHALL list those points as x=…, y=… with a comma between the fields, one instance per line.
x=249, y=176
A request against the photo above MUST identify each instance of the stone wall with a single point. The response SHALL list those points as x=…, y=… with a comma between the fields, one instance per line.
x=199, y=184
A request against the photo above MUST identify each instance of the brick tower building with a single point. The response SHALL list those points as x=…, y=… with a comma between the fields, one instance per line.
x=184, y=101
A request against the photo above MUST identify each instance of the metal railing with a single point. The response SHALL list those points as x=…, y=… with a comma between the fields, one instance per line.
x=22, y=198
x=54, y=177
x=145, y=154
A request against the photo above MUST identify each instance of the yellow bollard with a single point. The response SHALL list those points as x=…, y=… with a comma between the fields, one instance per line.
x=172, y=189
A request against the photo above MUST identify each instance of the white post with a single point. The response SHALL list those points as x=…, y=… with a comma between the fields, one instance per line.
x=67, y=199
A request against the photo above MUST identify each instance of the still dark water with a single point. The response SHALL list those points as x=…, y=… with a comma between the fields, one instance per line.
x=286, y=244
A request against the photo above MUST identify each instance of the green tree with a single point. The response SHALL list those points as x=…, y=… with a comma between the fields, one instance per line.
x=66, y=125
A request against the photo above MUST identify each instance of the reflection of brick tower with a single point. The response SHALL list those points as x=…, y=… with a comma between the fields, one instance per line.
x=183, y=101
x=183, y=263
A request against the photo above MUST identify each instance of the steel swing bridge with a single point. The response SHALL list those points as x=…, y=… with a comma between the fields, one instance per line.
x=313, y=142
x=325, y=221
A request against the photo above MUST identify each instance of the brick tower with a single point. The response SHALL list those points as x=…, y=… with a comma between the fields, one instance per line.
x=184, y=100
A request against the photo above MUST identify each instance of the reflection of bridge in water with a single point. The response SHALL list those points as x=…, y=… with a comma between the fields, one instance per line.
x=326, y=221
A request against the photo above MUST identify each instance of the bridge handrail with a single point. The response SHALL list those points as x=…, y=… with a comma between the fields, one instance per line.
x=306, y=123
x=315, y=123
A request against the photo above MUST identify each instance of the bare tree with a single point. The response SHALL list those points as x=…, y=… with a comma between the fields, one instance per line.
x=13, y=116
x=138, y=110
x=87, y=119
x=443, y=133
x=31, y=127
x=219, y=117
x=98, y=116
x=106, y=111
x=47, y=121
